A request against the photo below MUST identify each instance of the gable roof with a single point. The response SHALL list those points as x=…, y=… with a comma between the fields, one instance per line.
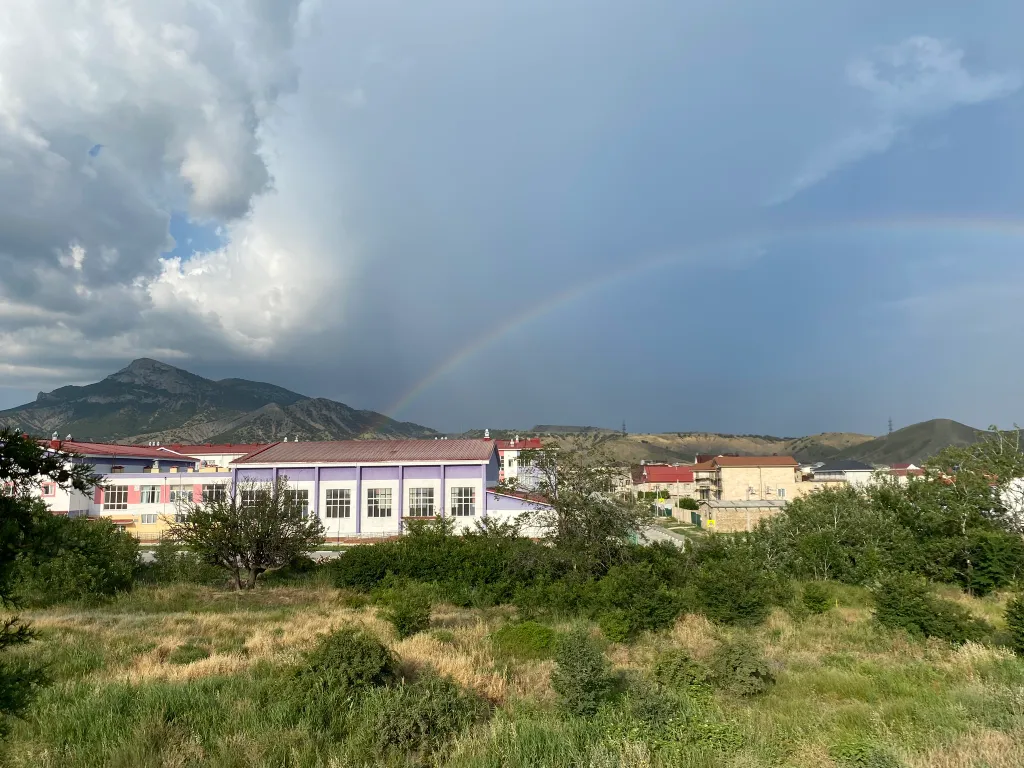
x=522, y=444
x=659, y=473
x=844, y=465
x=218, y=448
x=754, y=461
x=370, y=451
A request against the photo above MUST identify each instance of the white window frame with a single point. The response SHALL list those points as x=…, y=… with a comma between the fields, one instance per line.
x=182, y=495
x=148, y=518
x=299, y=497
x=247, y=497
x=463, y=501
x=115, y=497
x=781, y=493
x=421, y=499
x=215, y=492
x=378, y=502
x=338, y=503
x=146, y=492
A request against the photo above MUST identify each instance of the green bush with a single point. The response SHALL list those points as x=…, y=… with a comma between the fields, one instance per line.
x=411, y=722
x=408, y=610
x=731, y=585
x=525, y=640
x=1015, y=623
x=863, y=755
x=581, y=677
x=188, y=653
x=616, y=625
x=631, y=599
x=904, y=601
x=76, y=559
x=173, y=565
x=816, y=598
x=675, y=669
x=741, y=669
x=348, y=659
x=687, y=503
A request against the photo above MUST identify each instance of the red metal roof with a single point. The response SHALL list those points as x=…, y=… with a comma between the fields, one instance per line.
x=207, y=448
x=113, y=449
x=371, y=451
x=654, y=473
x=528, y=444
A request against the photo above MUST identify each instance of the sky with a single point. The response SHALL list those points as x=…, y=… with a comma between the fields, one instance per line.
x=687, y=215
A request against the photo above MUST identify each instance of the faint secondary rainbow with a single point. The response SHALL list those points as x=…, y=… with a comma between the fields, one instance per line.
x=931, y=225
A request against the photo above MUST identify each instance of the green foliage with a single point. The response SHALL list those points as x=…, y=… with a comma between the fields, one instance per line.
x=675, y=669
x=816, y=598
x=174, y=565
x=407, y=610
x=75, y=559
x=526, y=640
x=411, y=722
x=731, y=585
x=188, y=653
x=346, y=660
x=741, y=669
x=1015, y=623
x=904, y=601
x=687, y=503
x=862, y=754
x=257, y=530
x=581, y=677
x=632, y=598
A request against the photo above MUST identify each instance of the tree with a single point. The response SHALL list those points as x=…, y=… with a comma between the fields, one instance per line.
x=259, y=528
x=24, y=463
x=583, y=515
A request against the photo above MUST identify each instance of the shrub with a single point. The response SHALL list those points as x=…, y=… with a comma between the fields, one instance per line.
x=76, y=559
x=731, y=586
x=863, y=755
x=408, y=611
x=740, y=668
x=173, y=565
x=632, y=598
x=675, y=669
x=1015, y=623
x=581, y=677
x=616, y=626
x=413, y=721
x=816, y=598
x=904, y=601
x=188, y=653
x=526, y=640
x=687, y=503
x=348, y=659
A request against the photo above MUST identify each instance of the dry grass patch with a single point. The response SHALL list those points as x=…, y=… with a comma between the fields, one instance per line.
x=985, y=749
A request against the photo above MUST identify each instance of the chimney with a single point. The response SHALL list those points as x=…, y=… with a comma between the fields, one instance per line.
x=286, y=438
x=487, y=434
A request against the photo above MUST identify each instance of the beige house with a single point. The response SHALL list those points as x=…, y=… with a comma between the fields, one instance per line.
x=675, y=481
x=748, y=478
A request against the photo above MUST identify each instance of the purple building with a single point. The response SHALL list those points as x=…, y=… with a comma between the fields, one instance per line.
x=368, y=487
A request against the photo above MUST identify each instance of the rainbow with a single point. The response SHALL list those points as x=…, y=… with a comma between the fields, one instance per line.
x=924, y=224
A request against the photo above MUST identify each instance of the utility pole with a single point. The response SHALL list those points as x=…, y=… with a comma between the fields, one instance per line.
x=890, y=425
x=623, y=427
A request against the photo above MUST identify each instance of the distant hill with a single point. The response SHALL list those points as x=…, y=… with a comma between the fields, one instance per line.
x=150, y=400
x=561, y=429
x=914, y=443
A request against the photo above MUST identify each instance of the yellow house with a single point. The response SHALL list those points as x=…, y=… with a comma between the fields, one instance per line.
x=748, y=478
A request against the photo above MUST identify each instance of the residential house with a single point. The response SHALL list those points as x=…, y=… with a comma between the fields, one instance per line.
x=844, y=471
x=512, y=468
x=677, y=481
x=903, y=471
x=748, y=478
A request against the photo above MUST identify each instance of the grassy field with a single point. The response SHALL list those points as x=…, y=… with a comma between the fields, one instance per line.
x=190, y=676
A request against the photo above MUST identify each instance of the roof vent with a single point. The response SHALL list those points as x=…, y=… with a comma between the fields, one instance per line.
x=487, y=434
x=286, y=438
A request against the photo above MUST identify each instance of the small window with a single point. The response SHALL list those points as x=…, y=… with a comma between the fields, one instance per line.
x=115, y=497
x=781, y=493
x=339, y=502
x=150, y=494
x=147, y=519
x=298, y=501
x=181, y=496
x=116, y=470
x=49, y=489
x=463, y=502
x=421, y=502
x=217, y=492
x=248, y=498
x=378, y=502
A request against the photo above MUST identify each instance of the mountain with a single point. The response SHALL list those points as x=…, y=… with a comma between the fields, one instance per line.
x=150, y=400
x=914, y=443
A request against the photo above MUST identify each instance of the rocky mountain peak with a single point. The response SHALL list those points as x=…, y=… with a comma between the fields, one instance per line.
x=152, y=373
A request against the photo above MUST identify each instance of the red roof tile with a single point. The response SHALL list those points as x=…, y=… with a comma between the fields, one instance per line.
x=527, y=444
x=655, y=473
x=371, y=451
